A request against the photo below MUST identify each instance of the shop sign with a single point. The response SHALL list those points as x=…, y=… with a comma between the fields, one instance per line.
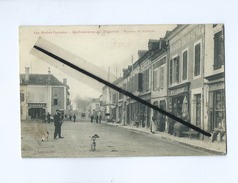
x=36, y=105
x=191, y=35
x=178, y=91
x=159, y=63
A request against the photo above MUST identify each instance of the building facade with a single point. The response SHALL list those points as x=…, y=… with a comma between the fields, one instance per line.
x=182, y=73
x=159, y=84
x=214, y=76
x=41, y=94
x=94, y=108
x=186, y=73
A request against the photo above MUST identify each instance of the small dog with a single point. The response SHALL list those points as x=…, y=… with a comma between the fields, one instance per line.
x=93, y=142
x=45, y=136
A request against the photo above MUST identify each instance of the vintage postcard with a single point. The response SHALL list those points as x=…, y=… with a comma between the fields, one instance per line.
x=122, y=90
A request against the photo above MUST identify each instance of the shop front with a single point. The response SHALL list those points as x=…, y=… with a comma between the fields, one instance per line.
x=216, y=103
x=132, y=112
x=144, y=112
x=144, y=115
x=37, y=110
x=178, y=104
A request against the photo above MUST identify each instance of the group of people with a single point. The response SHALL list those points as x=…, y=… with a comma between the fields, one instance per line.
x=98, y=118
x=74, y=117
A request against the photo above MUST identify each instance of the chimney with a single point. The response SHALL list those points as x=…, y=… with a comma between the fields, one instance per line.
x=65, y=81
x=27, y=74
x=153, y=44
x=141, y=53
x=125, y=73
x=49, y=73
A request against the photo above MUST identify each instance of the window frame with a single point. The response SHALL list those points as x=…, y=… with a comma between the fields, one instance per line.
x=174, y=74
x=162, y=67
x=182, y=63
x=56, y=101
x=194, y=57
x=218, y=63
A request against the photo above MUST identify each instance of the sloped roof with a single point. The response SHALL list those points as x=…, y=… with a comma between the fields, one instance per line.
x=117, y=80
x=153, y=41
x=40, y=79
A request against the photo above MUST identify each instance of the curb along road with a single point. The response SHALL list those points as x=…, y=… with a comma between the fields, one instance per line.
x=156, y=135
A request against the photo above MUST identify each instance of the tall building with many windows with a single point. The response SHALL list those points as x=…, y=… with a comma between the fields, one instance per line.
x=214, y=88
x=182, y=73
x=186, y=73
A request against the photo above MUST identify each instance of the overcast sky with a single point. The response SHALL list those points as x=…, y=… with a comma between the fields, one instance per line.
x=104, y=46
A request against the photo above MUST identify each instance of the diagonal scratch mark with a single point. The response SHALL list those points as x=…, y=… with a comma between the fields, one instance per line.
x=63, y=61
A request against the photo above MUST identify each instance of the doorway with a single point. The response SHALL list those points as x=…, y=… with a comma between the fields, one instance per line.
x=36, y=113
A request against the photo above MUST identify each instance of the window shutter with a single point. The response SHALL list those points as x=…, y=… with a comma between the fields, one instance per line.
x=155, y=80
x=218, y=50
x=185, y=62
x=147, y=79
x=140, y=82
x=136, y=82
x=177, y=69
x=162, y=77
x=197, y=59
x=170, y=71
x=130, y=85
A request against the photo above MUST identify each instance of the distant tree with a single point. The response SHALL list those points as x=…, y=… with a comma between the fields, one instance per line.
x=82, y=103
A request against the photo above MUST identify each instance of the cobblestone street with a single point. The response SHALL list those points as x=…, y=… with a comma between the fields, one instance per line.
x=113, y=141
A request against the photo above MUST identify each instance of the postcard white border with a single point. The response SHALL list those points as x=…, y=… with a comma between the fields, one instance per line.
x=217, y=169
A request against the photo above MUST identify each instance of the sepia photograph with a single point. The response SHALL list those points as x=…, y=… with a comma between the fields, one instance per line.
x=122, y=90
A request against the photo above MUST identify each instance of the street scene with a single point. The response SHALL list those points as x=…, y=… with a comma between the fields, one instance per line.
x=80, y=85
x=113, y=141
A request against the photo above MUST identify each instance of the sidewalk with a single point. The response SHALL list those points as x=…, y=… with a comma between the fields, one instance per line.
x=217, y=148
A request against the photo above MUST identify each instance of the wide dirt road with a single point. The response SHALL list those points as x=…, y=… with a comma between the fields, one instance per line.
x=113, y=141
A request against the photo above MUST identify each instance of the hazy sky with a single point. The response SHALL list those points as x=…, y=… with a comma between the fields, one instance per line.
x=104, y=46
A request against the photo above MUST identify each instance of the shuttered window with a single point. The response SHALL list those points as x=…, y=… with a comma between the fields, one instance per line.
x=161, y=77
x=140, y=82
x=197, y=62
x=185, y=63
x=155, y=80
x=177, y=69
x=170, y=71
x=218, y=50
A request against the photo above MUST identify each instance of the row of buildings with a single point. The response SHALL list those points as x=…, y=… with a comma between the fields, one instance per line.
x=41, y=94
x=182, y=73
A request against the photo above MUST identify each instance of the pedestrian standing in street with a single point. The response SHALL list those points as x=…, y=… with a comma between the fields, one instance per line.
x=153, y=124
x=97, y=119
x=92, y=118
x=48, y=117
x=70, y=117
x=58, y=123
x=74, y=118
x=100, y=119
x=166, y=125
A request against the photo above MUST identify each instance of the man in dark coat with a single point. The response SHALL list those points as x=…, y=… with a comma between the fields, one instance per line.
x=91, y=118
x=57, y=123
x=100, y=119
x=74, y=116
